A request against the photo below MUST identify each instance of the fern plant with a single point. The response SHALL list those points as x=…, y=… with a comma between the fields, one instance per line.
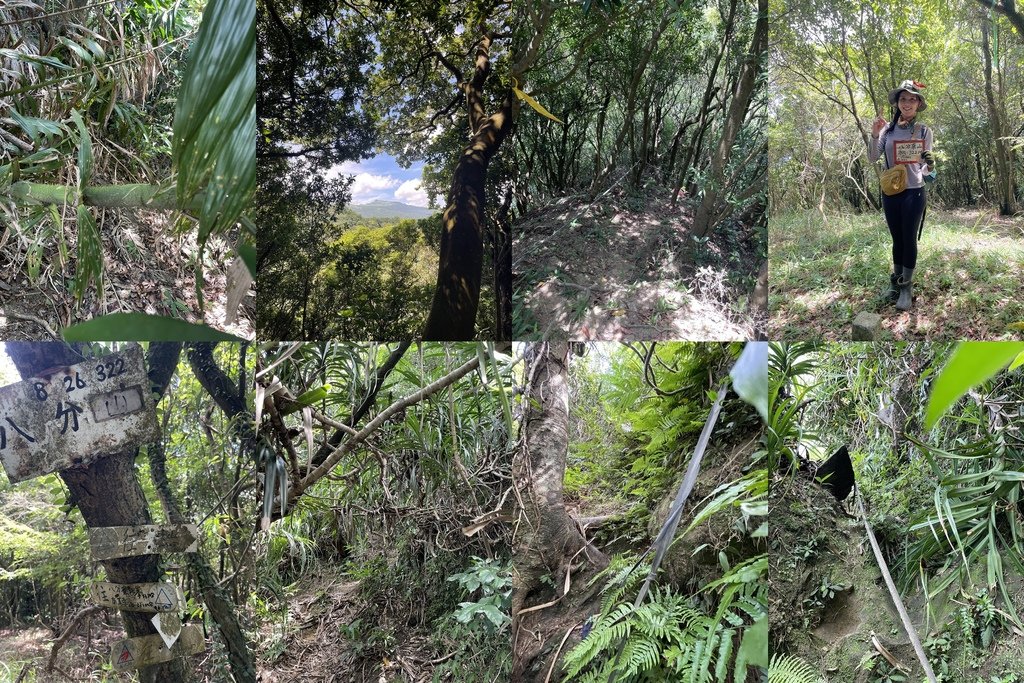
x=671, y=637
x=790, y=669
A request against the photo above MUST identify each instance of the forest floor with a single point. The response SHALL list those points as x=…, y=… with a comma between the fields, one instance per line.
x=823, y=270
x=332, y=634
x=828, y=603
x=147, y=269
x=617, y=267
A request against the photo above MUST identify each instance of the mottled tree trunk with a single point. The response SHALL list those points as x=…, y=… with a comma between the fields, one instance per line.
x=550, y=540
x=453, y=310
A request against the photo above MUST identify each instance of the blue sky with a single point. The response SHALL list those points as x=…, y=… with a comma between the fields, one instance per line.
x=382, y=178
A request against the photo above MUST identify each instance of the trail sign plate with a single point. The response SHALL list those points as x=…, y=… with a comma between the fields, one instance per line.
x=168, y=626
x=76, y=414
x=139, y=597
x=134, y=653
x=147, y=539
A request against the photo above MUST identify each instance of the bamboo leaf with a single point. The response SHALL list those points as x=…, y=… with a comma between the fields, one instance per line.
x=90, y=254
x=143, y=327
x=84, y=151
x=971, y=364
x=215, y=120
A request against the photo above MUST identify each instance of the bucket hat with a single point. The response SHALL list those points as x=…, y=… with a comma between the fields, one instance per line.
x=912, y=87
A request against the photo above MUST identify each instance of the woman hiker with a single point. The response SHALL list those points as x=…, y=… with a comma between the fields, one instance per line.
x=909, y=162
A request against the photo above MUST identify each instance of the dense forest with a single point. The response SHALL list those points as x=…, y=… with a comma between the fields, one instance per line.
x=833, y=66
x=409, y=513
x=126, y=160
x=640, y=214
x=919, y=574
x=634, y=216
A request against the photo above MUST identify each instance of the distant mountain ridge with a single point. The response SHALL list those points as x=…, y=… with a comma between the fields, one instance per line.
x=380, y=208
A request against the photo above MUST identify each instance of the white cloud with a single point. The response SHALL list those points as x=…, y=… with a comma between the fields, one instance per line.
x=410, y=192
x=368, y=186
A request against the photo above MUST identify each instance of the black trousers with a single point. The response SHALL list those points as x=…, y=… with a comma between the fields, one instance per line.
x=903, y=214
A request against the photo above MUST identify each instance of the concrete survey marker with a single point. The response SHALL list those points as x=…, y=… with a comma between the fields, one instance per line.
x=73, y=415
x=108, y=542
x=139, y=597
x=168, y=626
x=134, y=653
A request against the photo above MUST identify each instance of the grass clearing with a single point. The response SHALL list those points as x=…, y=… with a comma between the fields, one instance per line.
x=823, y=270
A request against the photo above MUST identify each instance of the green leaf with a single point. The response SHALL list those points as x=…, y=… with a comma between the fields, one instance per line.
x=84, y=151
x=19, y=56
x=971, y=364
x=753, y=648
x=36, y=127
x=750, y=376
x=215, y=120
x=82, y=53
x=307, y=399
x=143, y=327
x=248, y=253
x=90, y=254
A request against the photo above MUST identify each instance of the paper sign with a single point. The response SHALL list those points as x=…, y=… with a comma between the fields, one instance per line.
x=139, y=597
x=70, y=416
x=134, y=653
x=148, y=539
x=168, y=626
x=907, y=151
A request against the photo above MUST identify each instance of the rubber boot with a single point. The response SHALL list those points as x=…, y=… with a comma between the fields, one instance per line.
x=906, y=290
x=894, y=288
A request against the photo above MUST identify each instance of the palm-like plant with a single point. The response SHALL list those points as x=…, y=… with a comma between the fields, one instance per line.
x=789, y=366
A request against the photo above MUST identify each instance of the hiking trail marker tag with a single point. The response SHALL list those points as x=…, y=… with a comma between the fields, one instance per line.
x=109, y=542
x=168, y=625
x=70, y=416
x=139, y=597
x=134, y=653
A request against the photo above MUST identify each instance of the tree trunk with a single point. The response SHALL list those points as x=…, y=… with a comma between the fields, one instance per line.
x=631, y=94
x=503, y=271
x=108, y=493
x=453, y=310
x=1004, y=152
x=704, y=113
x=708, y=212
x=551, y=540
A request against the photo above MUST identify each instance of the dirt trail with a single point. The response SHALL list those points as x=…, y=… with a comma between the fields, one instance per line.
x=614, y=268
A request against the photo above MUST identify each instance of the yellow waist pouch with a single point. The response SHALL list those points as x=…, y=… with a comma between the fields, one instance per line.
x=894, y=180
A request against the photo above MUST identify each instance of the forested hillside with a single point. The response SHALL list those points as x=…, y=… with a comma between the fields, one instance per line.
x=370, y=278
x=622, y=146
x=829, y=242
x=640, y=213
x=366, y=529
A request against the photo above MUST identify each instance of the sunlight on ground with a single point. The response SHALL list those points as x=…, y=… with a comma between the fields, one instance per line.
x=968, y=273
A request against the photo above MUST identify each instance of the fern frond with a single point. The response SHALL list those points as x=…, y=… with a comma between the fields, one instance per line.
x=789, y=669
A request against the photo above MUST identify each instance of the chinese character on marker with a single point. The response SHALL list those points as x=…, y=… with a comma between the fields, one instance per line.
x=3, y=433
x=73, y=410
